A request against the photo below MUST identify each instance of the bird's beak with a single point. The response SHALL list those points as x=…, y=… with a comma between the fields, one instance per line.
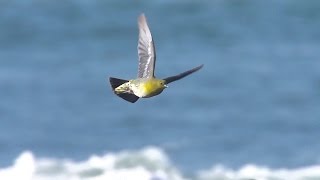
x=166, y=86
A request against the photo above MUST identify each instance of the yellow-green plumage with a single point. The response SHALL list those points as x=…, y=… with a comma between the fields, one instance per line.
x=142, y=88
x=146, y=85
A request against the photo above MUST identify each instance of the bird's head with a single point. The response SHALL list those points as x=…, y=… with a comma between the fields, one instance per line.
x=162, y=84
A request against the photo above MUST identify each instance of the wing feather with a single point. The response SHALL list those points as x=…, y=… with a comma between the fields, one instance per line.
x=146, y=50
x=182, y=75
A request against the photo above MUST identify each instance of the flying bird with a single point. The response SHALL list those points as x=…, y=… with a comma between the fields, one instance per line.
x=146, y=84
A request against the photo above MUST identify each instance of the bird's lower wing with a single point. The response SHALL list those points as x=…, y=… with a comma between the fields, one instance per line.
x=182, y=75
x=128, y=97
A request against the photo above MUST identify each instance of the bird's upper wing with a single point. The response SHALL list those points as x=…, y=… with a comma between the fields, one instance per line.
x=146, y=50
x=182, y=75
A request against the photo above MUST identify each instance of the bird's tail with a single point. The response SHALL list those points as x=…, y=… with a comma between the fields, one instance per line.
x=115, y=82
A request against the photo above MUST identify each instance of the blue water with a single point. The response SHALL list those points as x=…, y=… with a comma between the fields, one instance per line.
x=257, y=99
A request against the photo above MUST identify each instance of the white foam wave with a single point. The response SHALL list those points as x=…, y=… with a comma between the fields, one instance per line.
x=147, y=164
x=253, y=172
x=150, y=163
x=24, y=166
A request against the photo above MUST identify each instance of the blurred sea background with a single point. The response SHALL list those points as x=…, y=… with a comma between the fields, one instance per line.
x=252, y=112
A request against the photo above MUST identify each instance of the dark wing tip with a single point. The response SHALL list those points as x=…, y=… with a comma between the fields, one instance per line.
x=182, y=75
x=198, y=67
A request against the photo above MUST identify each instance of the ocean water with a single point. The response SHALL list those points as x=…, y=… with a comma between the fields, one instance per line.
x=252, y=112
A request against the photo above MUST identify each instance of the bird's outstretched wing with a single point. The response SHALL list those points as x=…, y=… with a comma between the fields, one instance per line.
x=146, y=50
x=182, y=75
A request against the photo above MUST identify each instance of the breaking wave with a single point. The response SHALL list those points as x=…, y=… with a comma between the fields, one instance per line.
x=150, y=163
